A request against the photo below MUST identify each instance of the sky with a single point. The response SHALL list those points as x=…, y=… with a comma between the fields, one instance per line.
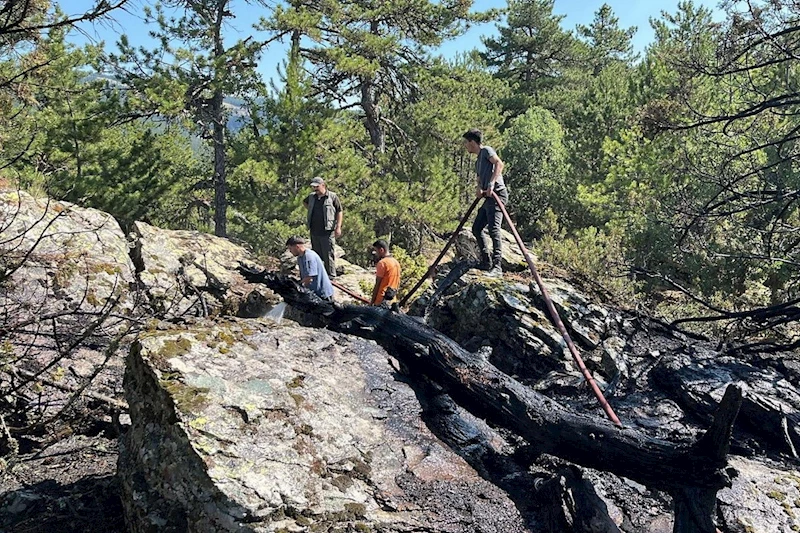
x=630, y=13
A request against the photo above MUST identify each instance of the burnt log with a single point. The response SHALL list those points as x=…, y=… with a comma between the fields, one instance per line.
x=691, y=472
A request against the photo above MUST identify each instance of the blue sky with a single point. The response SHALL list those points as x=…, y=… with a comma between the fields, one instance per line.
x=630, y=13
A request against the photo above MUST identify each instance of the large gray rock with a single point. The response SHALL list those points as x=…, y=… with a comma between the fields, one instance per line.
x=764, y=498
x=511, y=317
x=67, y=281
x=193, y=273
x=253, y=427
x=61, y=257
x=770, y=407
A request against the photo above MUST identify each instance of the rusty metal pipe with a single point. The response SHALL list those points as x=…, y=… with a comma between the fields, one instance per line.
x=557, y=319
x=441, y=255
x=348, y=291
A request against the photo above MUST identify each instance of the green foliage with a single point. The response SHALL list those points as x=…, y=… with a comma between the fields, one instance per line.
x=366, y=52
x=538, y=174
x=595, y=254
x=531, y=50
x=188, y=76
x=432, y=173
x=607, y=43
x=62, y=139
x=412, y=268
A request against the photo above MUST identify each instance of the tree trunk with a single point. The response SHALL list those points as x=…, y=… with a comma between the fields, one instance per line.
x=372, y=116
x=372, y=119
x=691, y=472
x=218, y=131
x=220, y=182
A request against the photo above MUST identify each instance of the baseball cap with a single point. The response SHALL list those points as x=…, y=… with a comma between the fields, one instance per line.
x=317, y=181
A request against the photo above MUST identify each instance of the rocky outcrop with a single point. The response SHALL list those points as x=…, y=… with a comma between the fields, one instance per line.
x=245, y=426
x=59, y=257
x=764, y=497
x=74, y=290
x=662, y=381
x=194, y=273
x=69, y=294
x=684, y=378
x=507, y=318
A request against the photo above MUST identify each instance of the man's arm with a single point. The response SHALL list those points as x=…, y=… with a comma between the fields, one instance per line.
x=378, y=280
x=497, y=169
x=337, y=231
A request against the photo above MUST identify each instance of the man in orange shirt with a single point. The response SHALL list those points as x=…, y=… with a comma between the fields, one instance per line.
x=387, y=274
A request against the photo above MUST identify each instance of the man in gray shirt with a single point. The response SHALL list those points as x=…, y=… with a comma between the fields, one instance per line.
x=489, y=170
x=312, y=270
x=324, y=221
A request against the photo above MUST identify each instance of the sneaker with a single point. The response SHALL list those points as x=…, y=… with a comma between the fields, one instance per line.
x=495, y=271
x=485, y=264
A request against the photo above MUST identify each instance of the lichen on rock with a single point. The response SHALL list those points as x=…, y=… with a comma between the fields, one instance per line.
x=293, y=429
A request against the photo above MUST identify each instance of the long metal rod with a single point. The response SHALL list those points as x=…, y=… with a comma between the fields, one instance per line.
x=348, y=291
x=441, y=255
x=557, y=319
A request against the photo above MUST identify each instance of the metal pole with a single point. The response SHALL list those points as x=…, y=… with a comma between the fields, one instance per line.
x=557, y=319
x=441, y=255
x=348, y=291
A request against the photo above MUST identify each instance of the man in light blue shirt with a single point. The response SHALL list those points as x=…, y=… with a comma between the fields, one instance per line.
x=312, y=269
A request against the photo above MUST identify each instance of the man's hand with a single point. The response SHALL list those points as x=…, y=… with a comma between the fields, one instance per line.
x=337, y=232
x=306, y=281
x=487, y=193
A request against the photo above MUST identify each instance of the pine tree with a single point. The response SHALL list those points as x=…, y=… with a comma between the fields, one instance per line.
x=532, y=50
x=195, y=77
x=362, y=51
x=606, y=41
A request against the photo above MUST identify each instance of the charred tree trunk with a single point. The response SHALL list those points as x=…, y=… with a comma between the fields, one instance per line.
x=691, y=472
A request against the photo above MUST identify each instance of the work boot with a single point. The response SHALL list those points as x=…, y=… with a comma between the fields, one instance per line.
x=485, y=264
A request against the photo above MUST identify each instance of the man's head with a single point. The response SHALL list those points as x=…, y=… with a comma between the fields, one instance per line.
x=472, y=141
x=296, y=246
x=380, y=249
x=318, y=184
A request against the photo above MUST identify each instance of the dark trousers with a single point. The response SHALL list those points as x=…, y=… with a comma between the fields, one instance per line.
x=490, y=216
x=323, y=245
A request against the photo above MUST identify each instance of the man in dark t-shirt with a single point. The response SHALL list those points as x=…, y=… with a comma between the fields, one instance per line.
x=489, y=171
